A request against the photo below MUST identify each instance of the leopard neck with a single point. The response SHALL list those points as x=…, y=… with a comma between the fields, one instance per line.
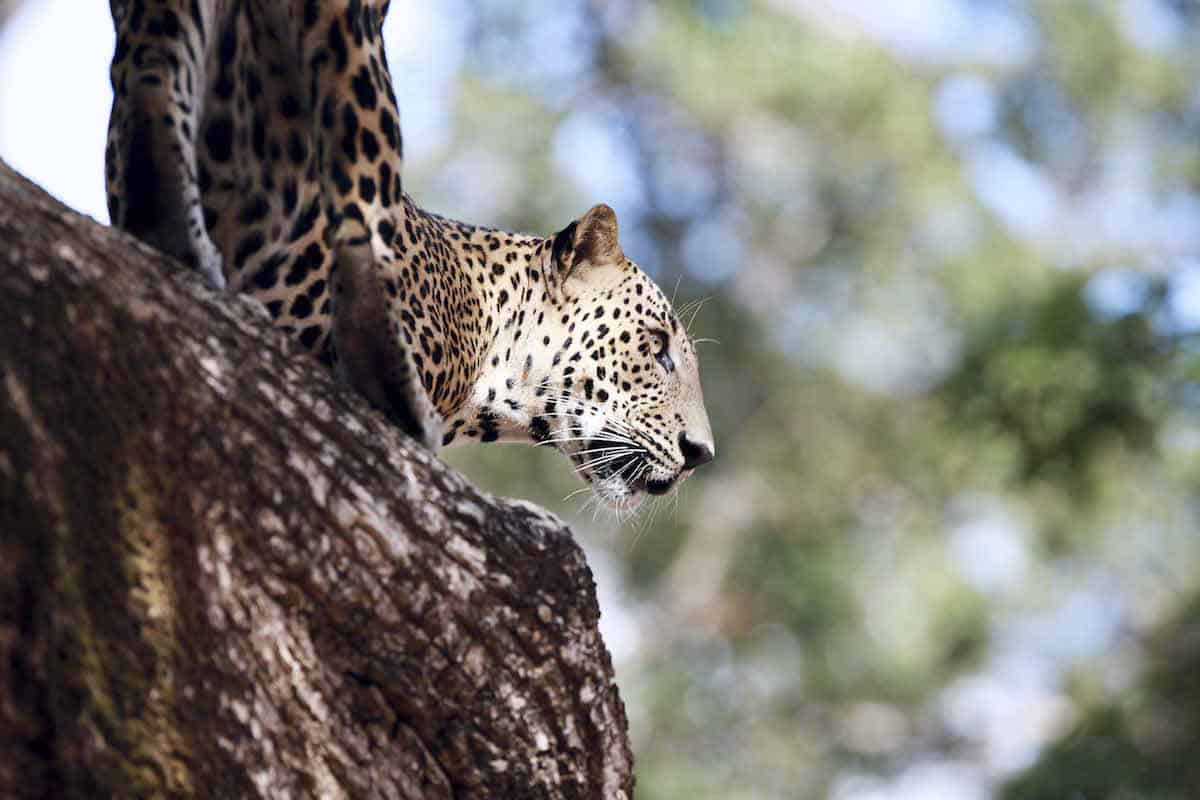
x=495, y=293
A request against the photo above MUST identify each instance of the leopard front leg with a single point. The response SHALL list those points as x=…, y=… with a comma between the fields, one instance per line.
x=158, y=78
x=371, y=353
x=357, y=135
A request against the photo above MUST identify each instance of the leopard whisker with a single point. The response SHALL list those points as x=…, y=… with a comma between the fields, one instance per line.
x=613, y=425
x=564, y=439
x=576, y=492
x=607, y=420
x=695, y=309
x=596, y=462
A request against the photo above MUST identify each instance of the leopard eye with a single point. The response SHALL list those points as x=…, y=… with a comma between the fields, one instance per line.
x=660, y=354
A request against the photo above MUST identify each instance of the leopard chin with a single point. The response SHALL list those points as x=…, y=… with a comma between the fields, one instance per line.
x=618, y=495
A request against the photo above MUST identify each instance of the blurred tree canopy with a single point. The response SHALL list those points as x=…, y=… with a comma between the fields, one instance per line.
x=949, y=253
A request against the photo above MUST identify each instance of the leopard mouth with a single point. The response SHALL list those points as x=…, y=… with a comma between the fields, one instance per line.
x=621, y=474
x=622, y=466
x=619, y=469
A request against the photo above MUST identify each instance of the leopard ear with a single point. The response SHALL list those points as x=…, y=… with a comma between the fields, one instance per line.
x=591, y=239
x=596, y=237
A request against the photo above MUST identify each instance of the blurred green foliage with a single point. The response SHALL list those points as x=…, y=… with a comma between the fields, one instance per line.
x=1141, y=744
x=1061, y=383
x=947, y=546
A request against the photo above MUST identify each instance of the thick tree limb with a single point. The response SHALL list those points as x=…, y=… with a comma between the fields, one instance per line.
x=221, y=575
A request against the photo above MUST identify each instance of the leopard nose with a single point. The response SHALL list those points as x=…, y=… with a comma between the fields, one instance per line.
x=695, y=454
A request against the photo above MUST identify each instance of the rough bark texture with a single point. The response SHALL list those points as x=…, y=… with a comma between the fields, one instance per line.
x=222, y=575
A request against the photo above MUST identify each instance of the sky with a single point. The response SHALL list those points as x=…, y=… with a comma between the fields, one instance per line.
x=64, y=151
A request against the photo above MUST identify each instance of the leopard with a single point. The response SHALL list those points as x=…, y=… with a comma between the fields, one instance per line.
x=259, y=143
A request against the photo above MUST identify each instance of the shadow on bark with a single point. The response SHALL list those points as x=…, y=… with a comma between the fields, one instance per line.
x=222, y=575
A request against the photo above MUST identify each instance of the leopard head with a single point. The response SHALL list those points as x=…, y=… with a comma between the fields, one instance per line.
x=622, y=397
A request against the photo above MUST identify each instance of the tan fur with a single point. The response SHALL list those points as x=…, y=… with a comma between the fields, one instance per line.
x=266, y=166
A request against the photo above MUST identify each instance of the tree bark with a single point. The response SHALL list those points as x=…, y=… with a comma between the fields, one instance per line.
x=223, y=575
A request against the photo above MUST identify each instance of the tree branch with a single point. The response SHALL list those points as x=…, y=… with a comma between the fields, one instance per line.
x=222, y=575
